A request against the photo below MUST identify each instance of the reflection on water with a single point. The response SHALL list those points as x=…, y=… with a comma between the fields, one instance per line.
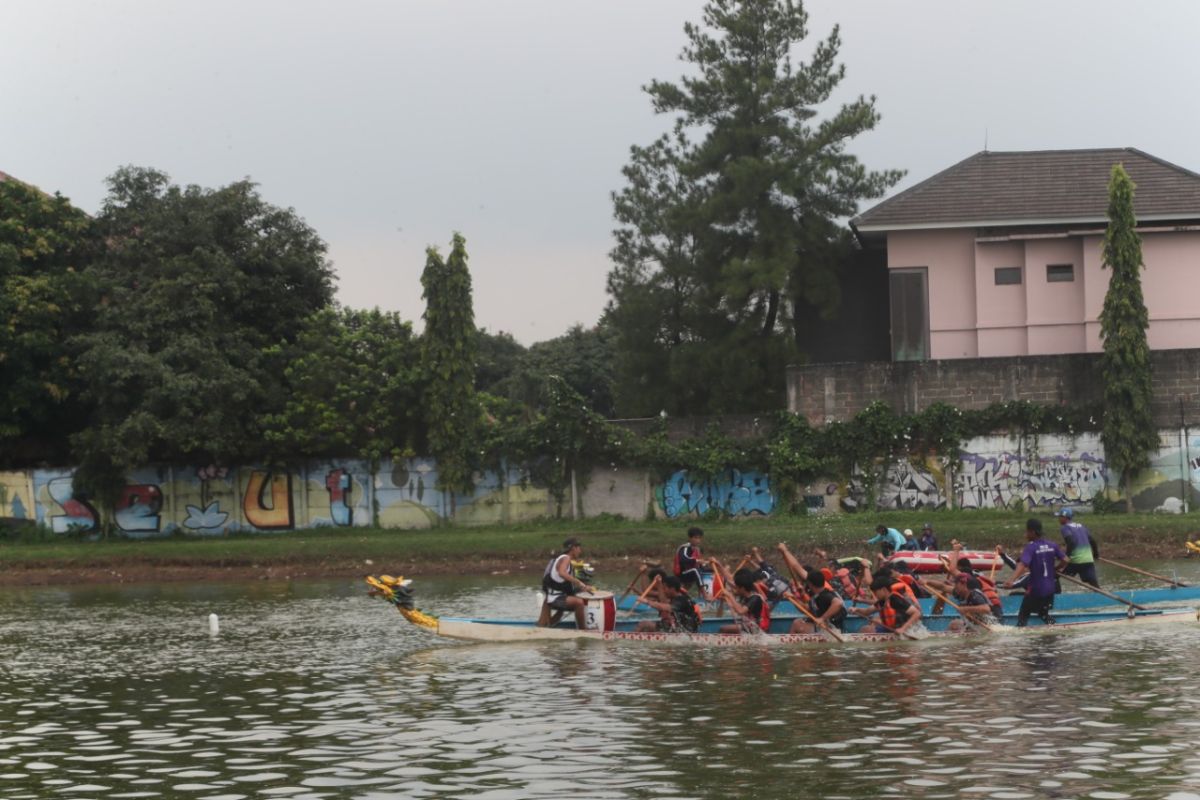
x=314, y=691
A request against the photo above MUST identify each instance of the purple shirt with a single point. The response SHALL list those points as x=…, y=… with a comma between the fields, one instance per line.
x=1040, y=557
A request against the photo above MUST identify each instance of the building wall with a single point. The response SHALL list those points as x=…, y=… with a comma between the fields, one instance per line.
x=827, y=392
x=970, y=316
x=949, y=258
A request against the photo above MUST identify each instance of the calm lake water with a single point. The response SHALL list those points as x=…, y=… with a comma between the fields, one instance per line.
x=313, y=690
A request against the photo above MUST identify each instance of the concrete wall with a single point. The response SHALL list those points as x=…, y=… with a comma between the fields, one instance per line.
x=209, y=500
x=827, y=392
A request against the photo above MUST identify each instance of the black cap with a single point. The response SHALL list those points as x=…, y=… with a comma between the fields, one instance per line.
x=571, y=542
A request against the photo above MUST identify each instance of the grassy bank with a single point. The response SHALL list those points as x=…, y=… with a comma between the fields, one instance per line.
x=40, y=558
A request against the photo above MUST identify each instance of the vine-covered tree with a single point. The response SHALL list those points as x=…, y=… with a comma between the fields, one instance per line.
x=727, y=224
x=42, y=253
x=448, y=360
x=1128, y=432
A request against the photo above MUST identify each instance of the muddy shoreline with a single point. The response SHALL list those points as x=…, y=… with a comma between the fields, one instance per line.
x=610, y=569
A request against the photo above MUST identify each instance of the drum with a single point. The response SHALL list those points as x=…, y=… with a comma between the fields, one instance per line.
x=600, y=611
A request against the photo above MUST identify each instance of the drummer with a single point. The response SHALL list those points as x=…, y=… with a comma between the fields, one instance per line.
x=561, y=587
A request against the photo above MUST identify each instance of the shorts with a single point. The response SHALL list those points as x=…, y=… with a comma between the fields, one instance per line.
x=1085, y=573
x=558, y=602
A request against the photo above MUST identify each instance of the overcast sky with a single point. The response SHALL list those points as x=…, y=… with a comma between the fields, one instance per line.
x=387, y=125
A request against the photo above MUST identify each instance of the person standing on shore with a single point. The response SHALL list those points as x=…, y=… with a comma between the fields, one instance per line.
x=1042, y=559
x=1081, y=548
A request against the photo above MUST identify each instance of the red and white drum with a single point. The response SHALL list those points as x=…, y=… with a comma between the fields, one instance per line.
x=928, y=561
x=600, y=611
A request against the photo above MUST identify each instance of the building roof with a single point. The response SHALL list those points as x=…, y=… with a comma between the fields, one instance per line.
x=1037, y=187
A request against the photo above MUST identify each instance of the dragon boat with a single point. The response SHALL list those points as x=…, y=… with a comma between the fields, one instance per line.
x=604, y=624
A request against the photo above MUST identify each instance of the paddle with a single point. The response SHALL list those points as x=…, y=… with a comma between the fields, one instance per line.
x=632, y=583
x=995, y=563
x=820, y=623
x=968, y=617
x=643, y=595
x=1109, y=595
x=1144, y=572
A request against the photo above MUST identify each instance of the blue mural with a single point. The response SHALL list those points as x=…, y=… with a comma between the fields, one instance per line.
x=735, y=493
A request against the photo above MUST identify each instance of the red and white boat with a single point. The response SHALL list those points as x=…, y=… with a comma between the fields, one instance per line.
x=930, y=561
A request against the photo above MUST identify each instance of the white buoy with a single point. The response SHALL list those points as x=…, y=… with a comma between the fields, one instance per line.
x=214, y=625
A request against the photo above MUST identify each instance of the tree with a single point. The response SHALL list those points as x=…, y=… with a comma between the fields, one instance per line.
x=353, y=388
x=728, y=224
x=1128, y=430
x=497, y=357
x=448, y=360
x=582, y=357
x=195, y=287
x=42, y=251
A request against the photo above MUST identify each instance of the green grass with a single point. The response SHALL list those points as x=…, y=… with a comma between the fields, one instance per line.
x=603, y=538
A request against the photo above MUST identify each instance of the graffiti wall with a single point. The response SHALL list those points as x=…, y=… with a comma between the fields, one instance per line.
x=735, y=494
x=1173, y=479
x=213, y=500
x=998, y=472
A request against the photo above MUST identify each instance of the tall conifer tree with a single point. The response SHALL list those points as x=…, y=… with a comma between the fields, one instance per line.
x=448, y=357
x=1128, y=432
x=729, y=224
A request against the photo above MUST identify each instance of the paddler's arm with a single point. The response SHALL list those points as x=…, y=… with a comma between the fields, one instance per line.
x=734, y=606
x=1017, y=573
x=912, y=616
x=792, y=562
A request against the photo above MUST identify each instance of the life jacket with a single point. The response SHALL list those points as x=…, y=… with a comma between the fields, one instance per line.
x=903, y=588
x=887, y=615
x=551, y=584
x=989, y=591
x=844, y=584
x=764, y=616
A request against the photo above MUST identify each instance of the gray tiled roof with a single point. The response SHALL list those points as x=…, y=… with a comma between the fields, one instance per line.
x=1037, y=186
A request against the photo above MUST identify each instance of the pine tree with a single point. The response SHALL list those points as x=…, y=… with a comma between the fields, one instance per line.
x=1128, y=432
x=727, y=224
x=448, y=359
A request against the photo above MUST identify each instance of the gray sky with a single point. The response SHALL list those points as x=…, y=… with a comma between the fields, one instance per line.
x=390, y=124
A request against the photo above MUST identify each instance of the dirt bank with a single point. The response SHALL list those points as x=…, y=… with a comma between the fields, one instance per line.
x=1132, y=546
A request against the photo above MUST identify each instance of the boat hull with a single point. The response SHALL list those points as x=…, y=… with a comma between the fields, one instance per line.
x=509, y=631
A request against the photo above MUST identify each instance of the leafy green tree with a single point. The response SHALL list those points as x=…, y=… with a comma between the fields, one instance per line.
x=195, y=286
x=1128, y=432
x=353, y=384
x=728, y=224
x=583, y=357
x=498, y=356
x=448, y=358
x=42, y=250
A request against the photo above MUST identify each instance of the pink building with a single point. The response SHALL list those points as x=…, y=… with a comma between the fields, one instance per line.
x=1000, y=255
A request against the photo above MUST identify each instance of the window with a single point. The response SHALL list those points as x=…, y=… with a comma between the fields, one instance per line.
x=1008, y=276
x=910, y=314
x=1060, y=273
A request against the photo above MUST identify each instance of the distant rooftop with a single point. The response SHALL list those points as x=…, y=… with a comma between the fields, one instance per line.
x=1037, y=187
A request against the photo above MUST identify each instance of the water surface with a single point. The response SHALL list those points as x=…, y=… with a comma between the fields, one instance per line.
x=313, y=690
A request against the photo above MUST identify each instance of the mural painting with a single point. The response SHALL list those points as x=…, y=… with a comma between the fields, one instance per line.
x=735, y=494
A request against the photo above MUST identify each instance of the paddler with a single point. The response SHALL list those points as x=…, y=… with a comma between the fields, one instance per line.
x=677, y=614
x=748, y=605
x=825, y=605
x=774, y=585
x=1041, y=559
x=896, y=612
x=561, y=586
x=973, y=602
